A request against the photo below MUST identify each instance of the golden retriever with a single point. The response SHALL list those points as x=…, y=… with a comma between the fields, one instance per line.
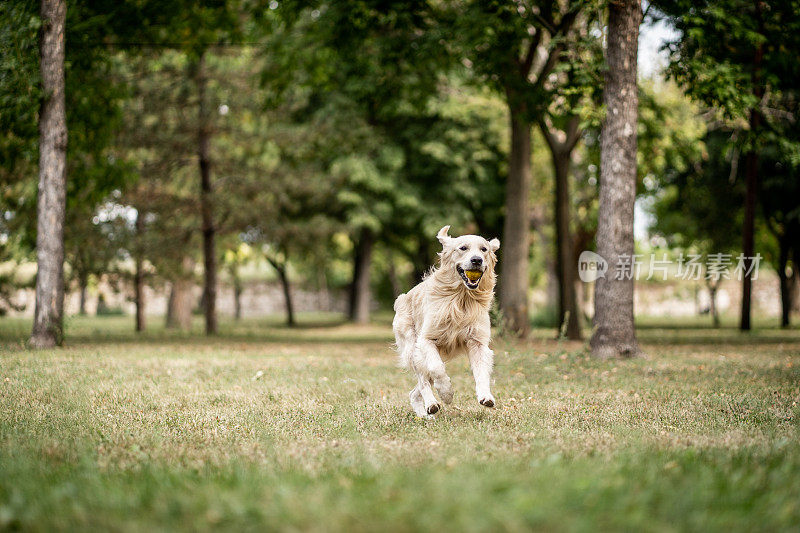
x=446, y=315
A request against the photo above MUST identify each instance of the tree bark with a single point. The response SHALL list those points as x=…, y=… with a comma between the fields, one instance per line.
x=751, y=184
x=48, y=321
x=206, y=204
x=179, y=315
x=83, y=282
x=169, y=317
x=614, y=334
x=516, y=231
x=361, y=296
x=795, y=282
x=287, y=290
x=785, y=282
x=712, y=302
x=138, y=275
x=138, y=284
x=237, y=293
x=565, y=255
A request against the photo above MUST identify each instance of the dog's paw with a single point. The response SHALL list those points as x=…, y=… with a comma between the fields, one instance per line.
x=433, y=409
x=445, y=390
x=446, y=395
x=486, y=401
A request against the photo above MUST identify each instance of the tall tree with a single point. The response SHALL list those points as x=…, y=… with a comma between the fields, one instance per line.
x=740, y=78
x=780, y=201
x=515, y=47
x=201, y=27
x=48, y=317
x=695, y=207
x=206, y=199
x=614, y=334
x=575, y=87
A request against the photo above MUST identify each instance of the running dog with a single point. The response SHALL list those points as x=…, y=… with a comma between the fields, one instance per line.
x=447, y=315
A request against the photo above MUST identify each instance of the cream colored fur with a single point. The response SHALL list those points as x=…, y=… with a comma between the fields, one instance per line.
x=442, y=318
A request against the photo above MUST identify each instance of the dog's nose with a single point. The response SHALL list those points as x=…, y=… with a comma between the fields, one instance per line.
x=477, y=260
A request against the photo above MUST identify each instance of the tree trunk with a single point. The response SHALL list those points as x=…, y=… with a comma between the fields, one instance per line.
x=351, y=297
x=712, y=301
x=206, y=204
x=785, y=282
x=614, y=334
x=751, y=184
x=48, y=321
x=565, y=255
x=287, y=290
x=361, y=296
x=795, y=282
x=179, y=315
x=138, y=276
x=169, y=317
x=83, y=282
x=138, y=289
x=237, y=293
x=516, y=245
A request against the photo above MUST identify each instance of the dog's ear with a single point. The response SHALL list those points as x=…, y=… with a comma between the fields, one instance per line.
x=443, y=237
x=494, y=244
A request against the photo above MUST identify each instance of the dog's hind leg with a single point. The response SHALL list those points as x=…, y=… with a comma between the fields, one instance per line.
x=428, y=399
x=423, y=389
x=436, y=371
x=417, y=403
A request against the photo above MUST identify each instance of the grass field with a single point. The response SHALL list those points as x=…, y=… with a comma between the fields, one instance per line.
x=266, y=428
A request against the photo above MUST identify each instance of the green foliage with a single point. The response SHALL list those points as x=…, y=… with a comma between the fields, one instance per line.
x=19, y=91
x=700, y=205
x=722, y=76
x=515, y=46
x=670, y=134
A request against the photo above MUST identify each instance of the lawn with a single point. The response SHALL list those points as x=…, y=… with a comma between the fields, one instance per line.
x=268, y=428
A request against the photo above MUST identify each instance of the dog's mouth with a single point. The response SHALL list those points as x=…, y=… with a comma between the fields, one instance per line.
x=471, y=278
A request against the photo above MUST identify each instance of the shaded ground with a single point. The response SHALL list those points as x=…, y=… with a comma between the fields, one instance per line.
x=309, y=428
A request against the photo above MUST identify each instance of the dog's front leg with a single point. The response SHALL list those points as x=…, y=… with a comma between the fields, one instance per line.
x=436, y=370
x=481, y=359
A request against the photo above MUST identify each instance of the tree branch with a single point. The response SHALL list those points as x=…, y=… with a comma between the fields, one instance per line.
x=564, y=26
x=525, y=68
x=573, y=133
x=555, y=146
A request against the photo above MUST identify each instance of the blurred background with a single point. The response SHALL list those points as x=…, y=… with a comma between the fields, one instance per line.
x=240, y=158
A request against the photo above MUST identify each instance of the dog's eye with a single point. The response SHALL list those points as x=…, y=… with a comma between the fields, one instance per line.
x=463, y=248
x=483, y=248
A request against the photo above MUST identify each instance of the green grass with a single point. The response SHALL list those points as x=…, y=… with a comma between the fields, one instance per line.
x=265, y=427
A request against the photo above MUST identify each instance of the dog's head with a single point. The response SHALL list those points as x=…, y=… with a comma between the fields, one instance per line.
x=470, y=257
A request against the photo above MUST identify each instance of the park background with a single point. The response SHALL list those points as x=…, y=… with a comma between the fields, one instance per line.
x=250, y=184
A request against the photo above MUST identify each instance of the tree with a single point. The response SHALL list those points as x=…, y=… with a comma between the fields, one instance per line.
x=48, y=317
x=741, y=78
x=695, y=207
x=574, y=87
x=237, y=255
x=160, y=142
x=780, y=195
x=397, y=73
x=515, y=47
x=614, y=334
x=200, y=27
